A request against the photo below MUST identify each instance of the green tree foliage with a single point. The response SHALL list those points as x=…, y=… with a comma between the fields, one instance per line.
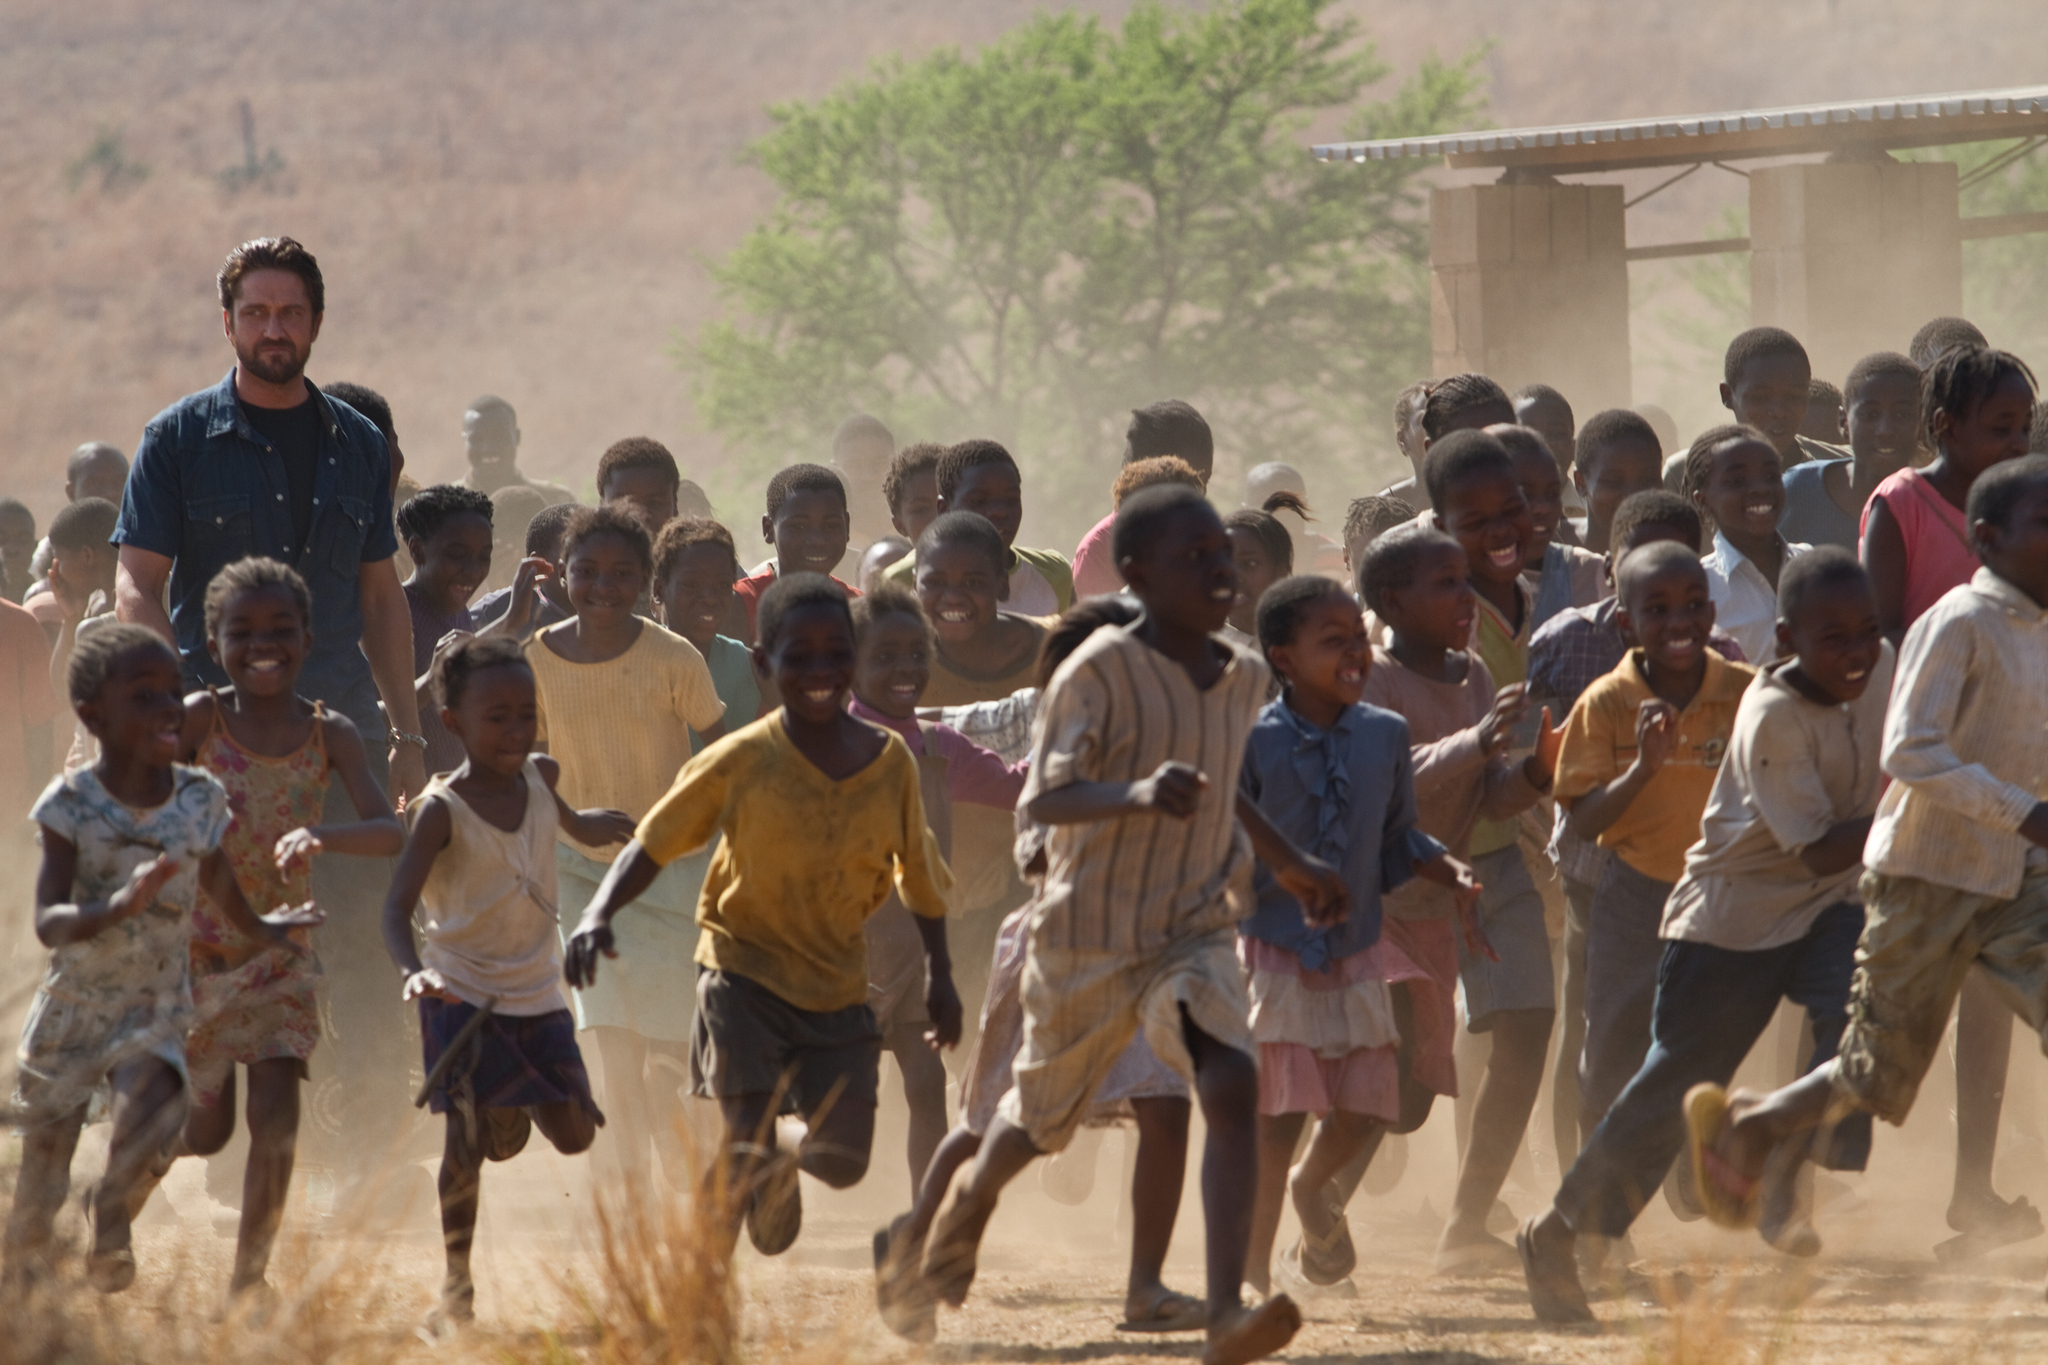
x=2005, y=278
x=1028, y=241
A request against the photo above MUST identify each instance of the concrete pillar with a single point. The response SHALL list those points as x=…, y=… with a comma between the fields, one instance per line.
x=1851, y=257
x=1529, y=284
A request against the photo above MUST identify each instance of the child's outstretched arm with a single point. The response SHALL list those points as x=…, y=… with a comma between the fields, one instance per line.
x=1174, y=789
x=941, y=998
x=517, y=622
x=217, y=876
x=1308, y=879
x=599, y=828
x=432, y=827
x=377, y=831
x=631, y=873
x=61, y=920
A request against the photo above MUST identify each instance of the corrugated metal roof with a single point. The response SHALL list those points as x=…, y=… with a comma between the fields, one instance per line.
x=1924, y=120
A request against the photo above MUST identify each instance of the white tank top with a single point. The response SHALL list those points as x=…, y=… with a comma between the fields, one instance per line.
x=488, y=911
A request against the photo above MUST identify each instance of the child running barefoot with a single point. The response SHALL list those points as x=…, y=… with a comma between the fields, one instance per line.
x=127, y=844
x=818, y=814
x=1334, y=775
x=1264, y=554
x=1952, y=880
x=1139, y=1086
x=481, y=861
x=893, y=665
x=1135, y=769
x=275, y=753
x=447, y=532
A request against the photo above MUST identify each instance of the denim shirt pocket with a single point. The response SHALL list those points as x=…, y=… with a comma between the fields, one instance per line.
x=225, y=526
x=346, y=531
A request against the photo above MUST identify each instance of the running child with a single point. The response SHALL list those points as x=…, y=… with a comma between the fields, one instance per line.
x=480, y=863
x=1619, y=457
x=981, y=477
x=274, y=753
x=782, y=973
x=622, y=704
x=1766, y=911
x=1170, y=429
x=1135, y=769
x=1951, y=882
x=807, y=524
x=447, y=531
x=695, y=565
x=1732, y=474
x=911, y=488
x=1264, y=554
x=893, y=665
x=1322, y=1015
x=127, y=845
x=535, y=600
x=1824, y=499
x=1765, y=377
x=1559, y=574
x=1366, y=520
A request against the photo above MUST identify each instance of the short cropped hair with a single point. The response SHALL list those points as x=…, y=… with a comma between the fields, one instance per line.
x=1519, y=440
x=253, y=575
x=1460, y=456
x=432, y=508
x=1448, y=399
x=637, y=452
x=686, y=533
x=1757, y=343
x=465, y=659
x=1818, y=389
x=1150, y=473
x=861, y=427
x=271, y=253
x=911, y=461
x=89, y=454
x=1997, y=493
x=971, y=529
x=1374, y=515
x=99, y=649
x=516, y=505
x=87, y=522
x=1647, y=561
x=1937, y=335
x=1823, y=566
x=544, y=531
x=369, y=403
x=971, y=454
x=1267, y=530
x=1613, y=427
x=1878, y=365
x=585, y=523
x=1392, y=561
x=1143, y=516
x=1655, y=507
x=802, y=478
x=792, y=592
x=1286, y=602
x=1171, y=427
x=1407, y=403
x=887, y=598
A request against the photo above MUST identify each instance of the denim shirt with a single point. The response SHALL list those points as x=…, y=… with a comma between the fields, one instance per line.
x=1346, y=795
x=206, y=490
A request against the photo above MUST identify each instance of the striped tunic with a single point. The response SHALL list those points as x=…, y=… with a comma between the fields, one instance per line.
x=1115, y=711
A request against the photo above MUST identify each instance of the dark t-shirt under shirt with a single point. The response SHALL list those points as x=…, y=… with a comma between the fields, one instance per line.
x=295, y=432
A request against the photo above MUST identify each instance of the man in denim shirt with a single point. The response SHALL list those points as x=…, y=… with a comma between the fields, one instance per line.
x=264, y=464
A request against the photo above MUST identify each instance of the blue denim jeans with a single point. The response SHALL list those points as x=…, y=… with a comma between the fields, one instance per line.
x=1712, y=1005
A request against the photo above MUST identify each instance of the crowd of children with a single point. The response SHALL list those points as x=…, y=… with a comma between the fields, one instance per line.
x=1594, y=759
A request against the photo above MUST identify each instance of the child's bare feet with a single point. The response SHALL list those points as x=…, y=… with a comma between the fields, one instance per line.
x=1547, y=1248
x=901, y=1296
x=1240, y=1334
x=1327, y=1254
x=955, y=1243
x=1155, y=1308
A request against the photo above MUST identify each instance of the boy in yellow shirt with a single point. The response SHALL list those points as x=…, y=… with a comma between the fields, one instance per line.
x=821, y=814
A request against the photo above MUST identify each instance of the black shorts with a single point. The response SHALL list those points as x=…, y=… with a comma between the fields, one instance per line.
x=747, y=1040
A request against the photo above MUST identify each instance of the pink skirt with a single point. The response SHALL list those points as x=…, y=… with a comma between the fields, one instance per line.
x=1432, y=946
x=1327, y=1039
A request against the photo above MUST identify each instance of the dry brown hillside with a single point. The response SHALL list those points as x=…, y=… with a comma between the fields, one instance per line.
x=517, y=196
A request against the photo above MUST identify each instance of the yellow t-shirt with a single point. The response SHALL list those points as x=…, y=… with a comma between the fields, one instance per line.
x=804, y=862
x=621, y=729
x=1663, y=821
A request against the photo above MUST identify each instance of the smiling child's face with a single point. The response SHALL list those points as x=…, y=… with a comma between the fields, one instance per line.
x=1488, y=515
x=697, y=594
x=809, y=532
x=261, y=641
x=1744, y=490
x=1670, y=612
x=960, y=589
x=1186, y=576
x=811, y=662
x=894, y=664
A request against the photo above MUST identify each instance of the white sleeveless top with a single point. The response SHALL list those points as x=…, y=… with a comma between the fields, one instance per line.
x=488, y=911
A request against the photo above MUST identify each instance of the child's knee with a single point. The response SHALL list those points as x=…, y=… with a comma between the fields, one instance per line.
x=837, y=1166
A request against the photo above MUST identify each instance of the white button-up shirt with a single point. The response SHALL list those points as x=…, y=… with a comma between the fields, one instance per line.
x=1745, y=603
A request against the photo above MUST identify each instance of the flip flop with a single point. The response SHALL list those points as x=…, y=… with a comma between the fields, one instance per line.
x=1554, y=1295
x=1474, y=1260
x=2014, y=1221
x=1168, y=1312
x=1287, y=1274
x=1726, y=1195
x=1331, y=1258
x=1253, y=1332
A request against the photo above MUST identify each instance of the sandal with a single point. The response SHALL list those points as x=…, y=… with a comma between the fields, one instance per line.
x=1166, y=1311
x=1328, y=1259
x=1726, y=1195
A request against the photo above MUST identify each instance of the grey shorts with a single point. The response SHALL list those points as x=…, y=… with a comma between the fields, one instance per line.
x=748, y=1040
x=1511, y=914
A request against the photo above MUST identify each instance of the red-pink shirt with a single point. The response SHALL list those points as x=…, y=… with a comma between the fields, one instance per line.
x=974, y=775
x=750, y=589
x=1938, y=553
x=1094, y=564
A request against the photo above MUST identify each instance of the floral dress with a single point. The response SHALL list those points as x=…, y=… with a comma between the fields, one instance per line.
x=254, y=1009
x=123, y=993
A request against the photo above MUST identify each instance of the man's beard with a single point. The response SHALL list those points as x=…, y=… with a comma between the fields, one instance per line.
x=267, y=362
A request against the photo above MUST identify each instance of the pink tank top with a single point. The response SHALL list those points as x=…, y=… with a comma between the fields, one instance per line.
x=1938, y=553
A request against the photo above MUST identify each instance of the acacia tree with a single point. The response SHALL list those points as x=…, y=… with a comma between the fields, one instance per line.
x=1030, y=240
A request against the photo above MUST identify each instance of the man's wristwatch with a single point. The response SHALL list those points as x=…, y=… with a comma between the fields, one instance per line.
x=397, y=737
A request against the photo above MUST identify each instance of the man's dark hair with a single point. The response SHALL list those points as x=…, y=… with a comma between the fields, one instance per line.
x=1171, y=427
x=1655, y=507
x=1755, y=344
x=369, y=403
x=545, y=529
x=972, y=454
x=965, y=528
x=464, y=660
x=1393, y=560
x=802, y=478
x=87, y=522
x=1997, y=493
x=586, y=523
x=100, y=648
x=1450, y=399
x=1961, y=378
x=1878, y=365
x=271, y=253
x=911, y=461
x=1461, y=455
x=1144, y=516
x=1284, y=604
x=1823, y=566
x=790, y=593
x=1374, y=515
x=686, y=533
x=1937, y=335
x=432, y=508
x=251, y=575
x=636, y=452
x=1615, y=426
